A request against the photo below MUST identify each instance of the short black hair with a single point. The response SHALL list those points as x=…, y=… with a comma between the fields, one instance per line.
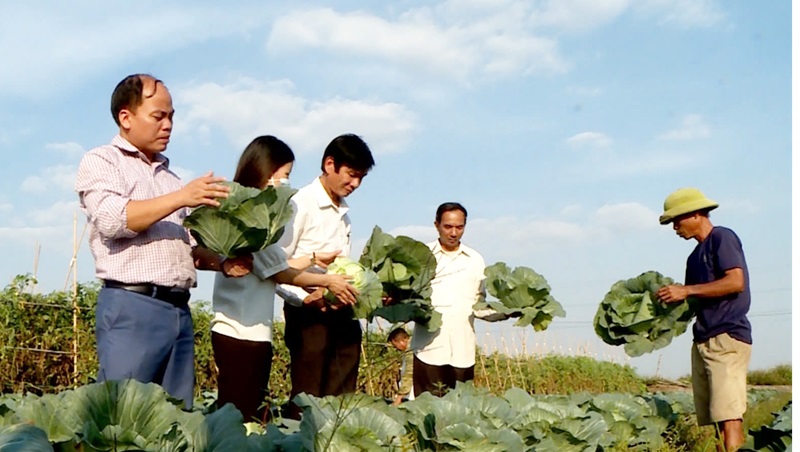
x=350, y=150
x=129, y=94
x=398, y=333
x=449, y=207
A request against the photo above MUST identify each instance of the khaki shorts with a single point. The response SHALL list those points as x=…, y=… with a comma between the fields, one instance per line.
x=719, y=379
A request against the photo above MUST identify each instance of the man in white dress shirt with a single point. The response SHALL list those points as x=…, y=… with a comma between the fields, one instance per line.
x=324, y=343
x=445, y=356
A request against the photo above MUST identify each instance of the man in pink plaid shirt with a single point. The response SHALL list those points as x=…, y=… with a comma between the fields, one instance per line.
x=135, y=206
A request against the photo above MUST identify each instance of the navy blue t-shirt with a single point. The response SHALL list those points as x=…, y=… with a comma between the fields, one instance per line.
x=720, y=251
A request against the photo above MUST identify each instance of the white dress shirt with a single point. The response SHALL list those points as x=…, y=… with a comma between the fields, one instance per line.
x=458, y=284
x=244, y=307
x=318, y=225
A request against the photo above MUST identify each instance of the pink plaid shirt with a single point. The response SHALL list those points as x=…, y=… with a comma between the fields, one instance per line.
x=108, y=177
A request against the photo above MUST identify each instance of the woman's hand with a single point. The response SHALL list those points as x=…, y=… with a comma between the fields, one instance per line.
x=323, y=259
x=236, y=267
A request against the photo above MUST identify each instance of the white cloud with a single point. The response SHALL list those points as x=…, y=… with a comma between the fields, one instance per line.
x=521, y=236
x=60, y=177
x=186, y=175
x=589, y=139
x=685, y=13
x=247, y=108
x=17, y=235
x=651, y=163
x=693, y=127
x=571, y=210
x=70, y=42
x=497, y=43
x=60, y=213
x=69, y=149
x=579, y=14
x=628, y=216
x=741, y=206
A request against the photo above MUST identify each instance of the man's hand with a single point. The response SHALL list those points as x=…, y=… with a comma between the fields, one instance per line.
x=204, y=191
x=344, y=291
x=398, y=399
x=490, y=315
x=236, y=267
x=316, y=299
x=672, y=293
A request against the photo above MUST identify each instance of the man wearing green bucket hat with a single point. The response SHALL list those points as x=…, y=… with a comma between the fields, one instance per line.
x=717, y=278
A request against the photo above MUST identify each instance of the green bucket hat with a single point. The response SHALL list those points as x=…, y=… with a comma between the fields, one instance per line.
x=683, y=201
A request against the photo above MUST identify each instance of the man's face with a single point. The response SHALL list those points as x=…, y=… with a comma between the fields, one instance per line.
x=686, y=225
x=344, y=181
x=149, y=126
x=450, y=229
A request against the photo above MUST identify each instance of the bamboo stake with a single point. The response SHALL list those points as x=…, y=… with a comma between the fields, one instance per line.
x=75, y=246
x=37, y=249
x=369, y=365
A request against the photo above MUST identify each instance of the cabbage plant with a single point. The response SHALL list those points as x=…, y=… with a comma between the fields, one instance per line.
x=248, y=220
x=631, y=315
x=405, y=267
x=364, y=280
x=520, y=293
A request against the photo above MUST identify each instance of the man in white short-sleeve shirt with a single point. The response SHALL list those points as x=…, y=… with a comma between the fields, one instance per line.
x=324, y=343
x=445, y=356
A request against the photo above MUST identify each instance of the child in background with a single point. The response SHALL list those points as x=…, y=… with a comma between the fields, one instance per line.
x=400, y=339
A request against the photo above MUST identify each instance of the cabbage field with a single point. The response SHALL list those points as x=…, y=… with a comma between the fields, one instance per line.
x=129, y=415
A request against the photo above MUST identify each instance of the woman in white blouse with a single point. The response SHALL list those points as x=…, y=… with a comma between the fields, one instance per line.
x=241, y=330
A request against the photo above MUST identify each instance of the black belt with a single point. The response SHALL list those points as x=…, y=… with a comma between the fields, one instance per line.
x=173, y=295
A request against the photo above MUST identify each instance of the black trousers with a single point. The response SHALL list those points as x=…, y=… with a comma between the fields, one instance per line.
x=243, y=379
x=438, y=379
x=325, y=348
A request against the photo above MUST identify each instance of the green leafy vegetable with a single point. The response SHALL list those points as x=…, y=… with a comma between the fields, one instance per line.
x=23, y=437
x=405, y=267
x=773, y=437
x=248, y=220
x=520, y=293
x=630, y=314
x=364, y=280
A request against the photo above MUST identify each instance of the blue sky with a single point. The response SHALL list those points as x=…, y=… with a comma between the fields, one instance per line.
x=560, y=125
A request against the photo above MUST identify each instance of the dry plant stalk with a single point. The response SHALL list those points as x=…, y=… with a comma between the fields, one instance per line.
x=369, y=369
x=483, y=367
x=75, y=246
x=519, y=358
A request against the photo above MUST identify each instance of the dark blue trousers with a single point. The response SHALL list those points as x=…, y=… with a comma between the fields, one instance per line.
x=146, y=339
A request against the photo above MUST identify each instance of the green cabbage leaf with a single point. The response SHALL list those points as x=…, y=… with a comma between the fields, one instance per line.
x=248, y=220
x=405, y=267
x=520, y=293
x=631, y=315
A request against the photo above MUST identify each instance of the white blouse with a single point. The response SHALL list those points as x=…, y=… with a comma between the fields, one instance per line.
x=244, y=307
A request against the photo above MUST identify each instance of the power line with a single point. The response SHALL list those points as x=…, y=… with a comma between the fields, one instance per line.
x=749, y=316
x=752, y=292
